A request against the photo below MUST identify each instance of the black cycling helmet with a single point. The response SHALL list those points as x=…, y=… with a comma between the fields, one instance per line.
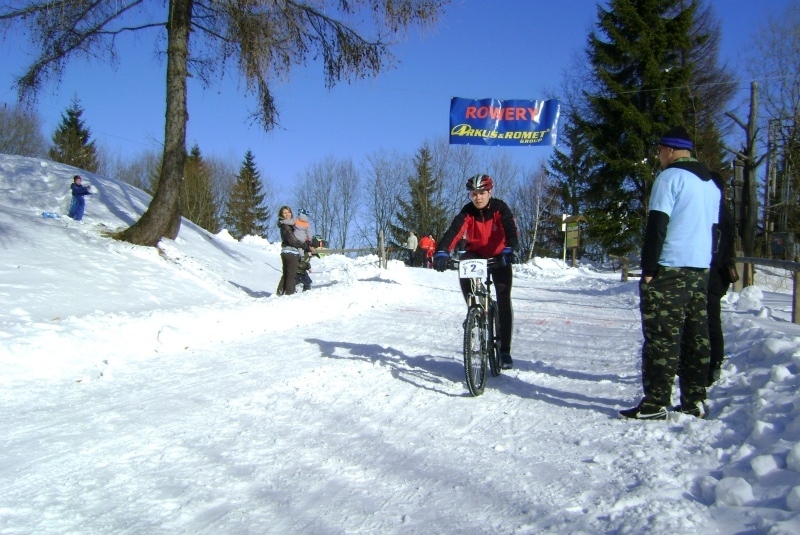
x=480, y=183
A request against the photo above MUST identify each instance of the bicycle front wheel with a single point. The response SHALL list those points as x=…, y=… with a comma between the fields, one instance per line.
x=475, y=349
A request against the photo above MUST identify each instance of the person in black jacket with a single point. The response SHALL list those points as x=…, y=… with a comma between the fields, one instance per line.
x=719, y=280
x=487, y=225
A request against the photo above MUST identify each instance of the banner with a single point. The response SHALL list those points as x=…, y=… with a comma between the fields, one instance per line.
x=488, y=121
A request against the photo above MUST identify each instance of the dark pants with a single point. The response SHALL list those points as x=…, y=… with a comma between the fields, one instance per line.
x=76, y=208
x=303, y=278
x=674, y=312
x=503, y=278
x=715, y=337
x=419, y=258
x=289, y=261
x=716, y=291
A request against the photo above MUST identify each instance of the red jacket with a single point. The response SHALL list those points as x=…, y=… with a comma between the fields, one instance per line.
x=426, y=243
x=487, y=231
x=432, y=248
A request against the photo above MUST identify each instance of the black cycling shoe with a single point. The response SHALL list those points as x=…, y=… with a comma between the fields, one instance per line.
x=506, y=363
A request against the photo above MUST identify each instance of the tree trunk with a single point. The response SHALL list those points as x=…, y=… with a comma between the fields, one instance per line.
x=536, y=215
x=751, y=180
x=163, y=216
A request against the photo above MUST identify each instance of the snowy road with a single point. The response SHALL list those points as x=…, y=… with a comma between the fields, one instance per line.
x=338, y=415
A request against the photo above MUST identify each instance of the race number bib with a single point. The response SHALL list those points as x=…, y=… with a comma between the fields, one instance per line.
x=472, y=269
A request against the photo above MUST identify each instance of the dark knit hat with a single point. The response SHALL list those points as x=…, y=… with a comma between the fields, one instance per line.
x=676, y=138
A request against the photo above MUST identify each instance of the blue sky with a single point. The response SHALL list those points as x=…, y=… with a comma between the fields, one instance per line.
x=507, y=49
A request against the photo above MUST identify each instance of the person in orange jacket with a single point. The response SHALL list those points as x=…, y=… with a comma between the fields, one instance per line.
x=431, y=250
x=424, y=246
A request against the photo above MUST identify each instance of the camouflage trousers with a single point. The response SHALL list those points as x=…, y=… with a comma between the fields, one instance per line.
x=675, y=329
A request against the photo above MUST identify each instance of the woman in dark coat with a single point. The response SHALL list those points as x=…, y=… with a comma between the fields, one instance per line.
x=291, y=251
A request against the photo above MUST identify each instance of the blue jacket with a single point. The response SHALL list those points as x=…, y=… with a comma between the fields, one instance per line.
x=79, y=191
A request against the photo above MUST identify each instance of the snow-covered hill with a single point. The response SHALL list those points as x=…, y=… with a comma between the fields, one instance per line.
x=152, y=391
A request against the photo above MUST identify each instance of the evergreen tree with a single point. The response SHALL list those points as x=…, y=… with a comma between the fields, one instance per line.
x=71, y=144
x=420, y=212
x=645, y=60
x=570, y=170
x=712, y=89
x=246, y=214
x=571, y=165
x=196, y=197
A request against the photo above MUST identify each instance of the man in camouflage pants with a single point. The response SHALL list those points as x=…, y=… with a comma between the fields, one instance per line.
x=684, y=206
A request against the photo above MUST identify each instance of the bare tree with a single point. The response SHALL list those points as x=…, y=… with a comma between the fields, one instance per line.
x=330, y=191
x=385, y=178
x=532, y=200
x=347, y=188
x=316, y=192
x=141, y=171
x=21, y=132
x=774, y=60
x=259, y=38
x=454, y=164
x=505, y=173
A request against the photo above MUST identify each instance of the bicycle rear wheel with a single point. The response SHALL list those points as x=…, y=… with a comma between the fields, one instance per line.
x=475, y=350
x=493, y=339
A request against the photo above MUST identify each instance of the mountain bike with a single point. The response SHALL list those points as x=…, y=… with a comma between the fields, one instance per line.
x=482, y=326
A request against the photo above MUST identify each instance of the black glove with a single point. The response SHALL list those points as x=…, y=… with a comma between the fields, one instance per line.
x=440, y=260
x=509, y=256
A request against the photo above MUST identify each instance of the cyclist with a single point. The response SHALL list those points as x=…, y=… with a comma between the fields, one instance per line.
x=488, y=226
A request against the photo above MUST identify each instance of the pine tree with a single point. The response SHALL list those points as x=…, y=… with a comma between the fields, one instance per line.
x=71, y=143
x=420, y=212
x=246, y=213
x=196, y=198
x=645, y=60
x=571, y=170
